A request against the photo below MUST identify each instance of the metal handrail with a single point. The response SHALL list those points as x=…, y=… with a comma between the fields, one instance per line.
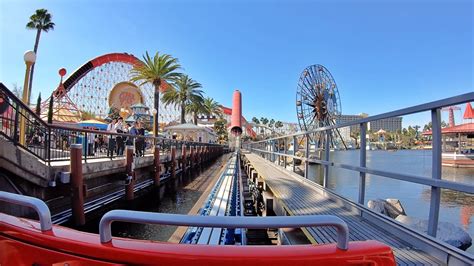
x=38, y=205
x=57, y=138
x=267, y=148
x=224, y=222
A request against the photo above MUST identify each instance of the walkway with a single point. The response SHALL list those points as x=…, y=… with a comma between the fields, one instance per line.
x=304, y=198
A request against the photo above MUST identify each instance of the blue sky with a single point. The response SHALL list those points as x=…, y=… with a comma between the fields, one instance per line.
x=384, y=55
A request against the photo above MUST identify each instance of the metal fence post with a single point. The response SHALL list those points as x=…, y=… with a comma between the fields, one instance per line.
x=295, y=144
x=278, y=157
x=15, y=128
x=306, y=163
x=285, y=142
x=435, y=171
x=363, y=161
x=326, y=155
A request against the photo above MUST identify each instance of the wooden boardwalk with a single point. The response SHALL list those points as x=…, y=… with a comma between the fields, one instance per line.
x=305, y=198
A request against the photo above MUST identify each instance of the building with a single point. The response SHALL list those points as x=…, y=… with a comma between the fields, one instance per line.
x=391, y=124
x=349, y=118
x=191, y=132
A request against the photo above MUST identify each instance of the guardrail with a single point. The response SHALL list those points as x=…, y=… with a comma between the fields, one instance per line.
x=50, y=142
x=270, y=149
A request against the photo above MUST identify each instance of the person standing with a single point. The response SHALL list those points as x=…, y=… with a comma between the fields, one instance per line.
x=140, y=142
x=133, y=131
x=120, y=139
x=111, y=129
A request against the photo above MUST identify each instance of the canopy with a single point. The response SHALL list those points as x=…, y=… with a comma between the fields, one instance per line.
x=92, y=123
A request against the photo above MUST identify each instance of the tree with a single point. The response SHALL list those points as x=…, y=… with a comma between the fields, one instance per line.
x=50, y=110
x=39, y=21
x=185, y=92
x=38, y=105
x=271, y=123
x=220, y=127
x=157, y=70
x=195, y=108
x=255, y=120
x=278, y=124
x=264, y=120
x=211, y=107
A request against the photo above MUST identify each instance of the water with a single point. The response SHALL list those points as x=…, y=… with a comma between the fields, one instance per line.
x=456, y=207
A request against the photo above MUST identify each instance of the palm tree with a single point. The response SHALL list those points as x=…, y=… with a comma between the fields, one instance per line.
x=186, y=91
x=39, y=21
x=211, y=107
x=158, y=70
x=196, y=108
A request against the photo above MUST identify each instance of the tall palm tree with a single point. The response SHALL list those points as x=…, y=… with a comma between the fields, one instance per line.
x=185, y=92
x=212, y=107
x=196, y=108
x=39, y=21
x=160, y=69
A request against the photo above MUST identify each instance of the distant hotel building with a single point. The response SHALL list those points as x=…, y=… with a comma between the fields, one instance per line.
x=389, y=124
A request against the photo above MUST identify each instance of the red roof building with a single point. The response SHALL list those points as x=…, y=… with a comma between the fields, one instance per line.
x=463, y=128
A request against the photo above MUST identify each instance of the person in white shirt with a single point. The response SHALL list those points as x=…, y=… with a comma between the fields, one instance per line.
x=111, y=129
x=119, y=139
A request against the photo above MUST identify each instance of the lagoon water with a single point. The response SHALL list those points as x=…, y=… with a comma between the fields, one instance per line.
x=456, y=207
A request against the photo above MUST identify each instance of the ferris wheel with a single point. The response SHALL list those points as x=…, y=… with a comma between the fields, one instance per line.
x=318, y=103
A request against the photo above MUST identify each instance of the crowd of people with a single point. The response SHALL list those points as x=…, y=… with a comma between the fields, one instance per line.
x=117, y=143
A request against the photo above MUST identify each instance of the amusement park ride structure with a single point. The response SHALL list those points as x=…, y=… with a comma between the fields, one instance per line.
x=91, y=86
x=318, y=104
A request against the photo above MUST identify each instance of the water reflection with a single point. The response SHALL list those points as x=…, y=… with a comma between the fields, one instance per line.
x=456, y=207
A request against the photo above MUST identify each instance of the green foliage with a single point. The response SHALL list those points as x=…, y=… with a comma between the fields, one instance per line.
x=185, y=92
x=38, y=105
x=114, y=112
x=220, y=127
x=41, y=21
x=264, y=120
x=157, y=70
x=271, y=123
x=162, y=67
x=211, y=107
x=255, y=120
x=195, y=108
x=50, y=110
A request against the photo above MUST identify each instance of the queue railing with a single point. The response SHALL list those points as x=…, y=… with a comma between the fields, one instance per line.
x=52, y=142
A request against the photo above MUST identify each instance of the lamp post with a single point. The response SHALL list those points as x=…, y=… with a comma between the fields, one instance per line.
x=30, y=58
